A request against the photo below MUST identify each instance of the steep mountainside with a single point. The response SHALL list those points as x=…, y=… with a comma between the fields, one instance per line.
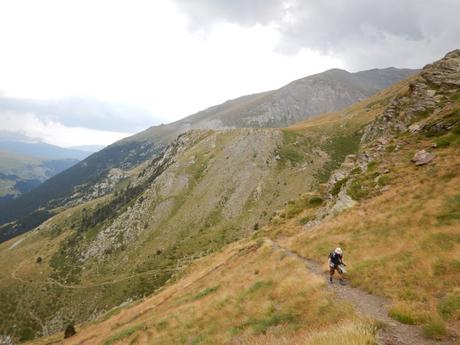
x=20, y=173
x=329, y=91
x=208, y=189
x=379, y=179
x=303, y=98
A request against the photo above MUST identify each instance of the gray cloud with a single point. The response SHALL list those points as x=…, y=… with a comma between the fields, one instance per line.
x=363, y=33
x=203, y=13
x=80, y=112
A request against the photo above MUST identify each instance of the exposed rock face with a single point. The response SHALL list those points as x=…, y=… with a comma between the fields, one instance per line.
x=422, y=157
x=412, y=112
x=103, y=187
x=426, y=92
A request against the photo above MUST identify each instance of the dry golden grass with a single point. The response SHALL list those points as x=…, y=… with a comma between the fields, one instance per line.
x=243, y=295
x=398, y=244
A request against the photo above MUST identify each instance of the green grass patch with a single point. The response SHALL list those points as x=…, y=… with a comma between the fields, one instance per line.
x=290, y=154
x=122, y=335
x=262, y=325
x=306, y=219
x=259, y=285
x=402, y=315
x=451, y=212
x=357, y=190
x=383, y=180
x=338, y=147
x=449, y=306
x=205, y=292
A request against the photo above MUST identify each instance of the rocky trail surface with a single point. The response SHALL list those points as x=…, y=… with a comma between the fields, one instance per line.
x=371, y=306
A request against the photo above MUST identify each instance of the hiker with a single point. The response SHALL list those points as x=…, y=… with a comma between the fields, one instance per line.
x=336, y=263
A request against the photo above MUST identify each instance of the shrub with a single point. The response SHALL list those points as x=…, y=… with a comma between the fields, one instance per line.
x=315, y=201
x=69, y=331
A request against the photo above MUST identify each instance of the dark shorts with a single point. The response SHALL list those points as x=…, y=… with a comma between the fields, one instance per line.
x=334, y=268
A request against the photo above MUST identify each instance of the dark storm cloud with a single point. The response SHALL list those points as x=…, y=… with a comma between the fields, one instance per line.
x=362, y=33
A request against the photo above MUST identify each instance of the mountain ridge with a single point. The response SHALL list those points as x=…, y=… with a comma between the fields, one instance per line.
x=131, y=151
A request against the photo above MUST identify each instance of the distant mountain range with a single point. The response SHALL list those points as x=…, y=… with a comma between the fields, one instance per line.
x=43, y=150
x=24, y=166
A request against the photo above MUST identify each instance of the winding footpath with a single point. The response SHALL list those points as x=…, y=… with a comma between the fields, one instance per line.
x=371, y=306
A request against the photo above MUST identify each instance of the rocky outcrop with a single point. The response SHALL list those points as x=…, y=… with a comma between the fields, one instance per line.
x=431, y=88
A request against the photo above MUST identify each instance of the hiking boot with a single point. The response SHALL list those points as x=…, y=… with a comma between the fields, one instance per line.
x=342, y=282
x=330, y=280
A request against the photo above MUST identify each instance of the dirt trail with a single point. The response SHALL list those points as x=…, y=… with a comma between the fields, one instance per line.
x=374, y=307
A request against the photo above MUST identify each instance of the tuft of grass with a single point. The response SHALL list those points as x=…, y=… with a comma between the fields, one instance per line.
x=383, y=180
x=262, y=325
x=344, y=334
x=357, y=190
x=402, y=314
x=259, y=285
x=122, y=335
x=205, y=292
x=449, y=306
x=434, y=329
x=451, y=211
x=306, y=219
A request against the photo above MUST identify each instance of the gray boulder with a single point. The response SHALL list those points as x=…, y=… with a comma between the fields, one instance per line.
x=422, y=157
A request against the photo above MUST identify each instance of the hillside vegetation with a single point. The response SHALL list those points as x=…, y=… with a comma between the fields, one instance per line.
x=92, y=178
x=198, y=245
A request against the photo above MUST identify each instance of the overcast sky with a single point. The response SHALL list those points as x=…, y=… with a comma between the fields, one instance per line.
x=175, y=57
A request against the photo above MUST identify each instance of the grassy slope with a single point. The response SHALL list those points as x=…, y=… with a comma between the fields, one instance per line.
x=330, y=131
x=202, y=218
x=249, y=293
x=402, y=243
